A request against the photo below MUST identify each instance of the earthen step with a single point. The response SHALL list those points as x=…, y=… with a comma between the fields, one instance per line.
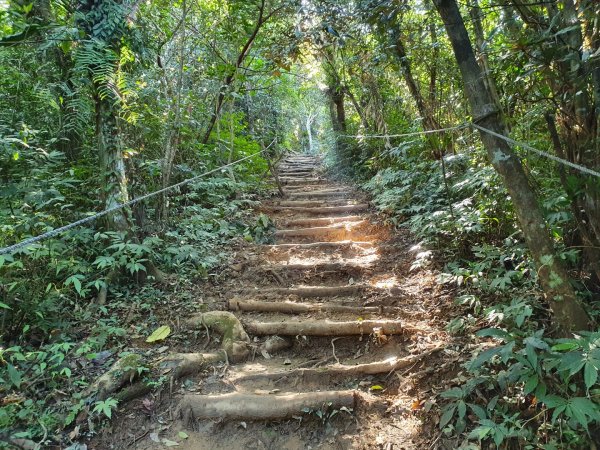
x=320, y=231
x=319, y=221
x=324, y=210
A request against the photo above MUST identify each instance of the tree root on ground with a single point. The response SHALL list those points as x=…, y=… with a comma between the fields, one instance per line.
x=235, y=341
x=237, y=406
x=123, y=371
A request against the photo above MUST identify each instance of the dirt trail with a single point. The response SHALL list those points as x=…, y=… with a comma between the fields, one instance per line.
x=343, y=339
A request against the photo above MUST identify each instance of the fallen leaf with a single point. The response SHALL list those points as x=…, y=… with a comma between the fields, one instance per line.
x=416, y=405
x=170, y=443
x=183, y=435
x=159, y=334
x=154, y=437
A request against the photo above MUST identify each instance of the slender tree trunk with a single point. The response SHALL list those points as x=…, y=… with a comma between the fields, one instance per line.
x=174, y=127
x=429, y=121
x=112, y=165
x=568, y=312
x=475, y=12
x=227, y=82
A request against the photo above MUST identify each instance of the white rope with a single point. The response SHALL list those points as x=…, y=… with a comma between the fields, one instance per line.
x=57, y=231
x=539, y=152
x=416, y=133
x=542, y=153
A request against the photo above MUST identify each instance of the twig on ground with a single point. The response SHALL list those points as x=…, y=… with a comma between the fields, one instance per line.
x=333, y=349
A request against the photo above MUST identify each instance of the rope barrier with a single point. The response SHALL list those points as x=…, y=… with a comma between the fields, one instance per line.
x=92, y=218
x=416, y=133
x=539, y=152
x=511, y=141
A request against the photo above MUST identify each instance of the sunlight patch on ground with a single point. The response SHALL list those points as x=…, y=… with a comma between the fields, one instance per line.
x=309, y=261
x=386, y=283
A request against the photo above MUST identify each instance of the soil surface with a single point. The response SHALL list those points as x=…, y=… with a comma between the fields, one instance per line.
x=332, y=294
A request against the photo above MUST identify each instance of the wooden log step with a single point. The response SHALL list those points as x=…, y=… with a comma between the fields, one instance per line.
x=313, y=203
x=303, y=308
x=323, y=327
x=319, y=194
x=345, y=267
x=323, y=210
x=300, y=181
x=310, y=187
x=238, y=406
x=326, y=291
x=321, y=245
x=319, y=231
x=342, y=370
x=320, y=291
x=319, y=221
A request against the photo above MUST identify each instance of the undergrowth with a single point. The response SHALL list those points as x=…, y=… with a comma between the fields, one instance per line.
x=58, y=336
x=523, y=387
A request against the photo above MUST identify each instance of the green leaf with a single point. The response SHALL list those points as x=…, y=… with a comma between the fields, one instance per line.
x=376, y=387
x=14, y=375
x=565, y=346
x=462, y=409
x=159, y=334
x=493, y=332
x=484, y=357
x=447, y=416
x=455, y=392
x=183, y=435
x=478, y=411
x=531, y=384
x=590, y=374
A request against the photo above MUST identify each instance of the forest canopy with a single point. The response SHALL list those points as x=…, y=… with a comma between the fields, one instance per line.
x=473, y=124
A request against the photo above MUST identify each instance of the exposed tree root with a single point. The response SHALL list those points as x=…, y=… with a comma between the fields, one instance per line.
x=180, y=365
x=236, y=406
x=123, y=371
x=235, y=341
x=323, y=327
x=299, y=308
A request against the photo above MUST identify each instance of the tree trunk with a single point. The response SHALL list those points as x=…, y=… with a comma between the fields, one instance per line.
x=112, y=165
x=475, y=12
x=231, y=75
x=173, y=128
x=568, y=311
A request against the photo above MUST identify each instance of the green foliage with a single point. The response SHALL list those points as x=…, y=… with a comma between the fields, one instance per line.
x=527, y=387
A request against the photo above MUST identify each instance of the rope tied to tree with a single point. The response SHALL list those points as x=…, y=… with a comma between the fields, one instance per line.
x=106, y=212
